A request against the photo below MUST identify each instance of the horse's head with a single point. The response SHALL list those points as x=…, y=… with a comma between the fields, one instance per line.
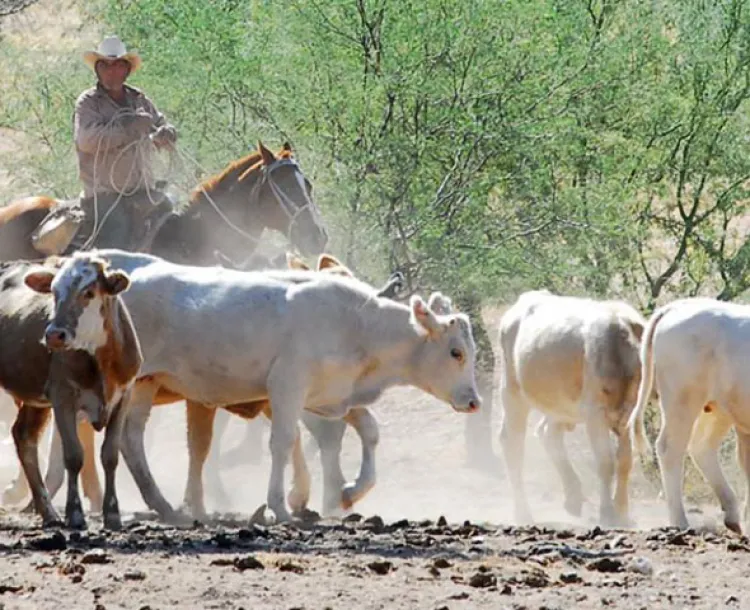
x=285, y=195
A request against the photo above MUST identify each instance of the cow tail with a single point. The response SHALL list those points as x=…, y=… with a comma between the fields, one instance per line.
x=635, y=423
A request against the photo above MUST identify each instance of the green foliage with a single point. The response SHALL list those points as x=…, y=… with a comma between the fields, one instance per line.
x=586, y=146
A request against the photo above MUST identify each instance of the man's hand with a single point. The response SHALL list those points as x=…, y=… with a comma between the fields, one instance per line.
x=164, y=136
x=141, y=123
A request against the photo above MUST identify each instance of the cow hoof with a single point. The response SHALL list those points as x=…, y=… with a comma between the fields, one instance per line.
x=298, y=501
x=112, y=521
x=735, y=527
x=76, y=520
x=52, y=521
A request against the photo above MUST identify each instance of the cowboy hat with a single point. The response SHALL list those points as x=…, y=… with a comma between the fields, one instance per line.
x=112, y=49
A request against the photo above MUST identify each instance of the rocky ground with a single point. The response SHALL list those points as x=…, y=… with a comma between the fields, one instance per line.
x=366, y=563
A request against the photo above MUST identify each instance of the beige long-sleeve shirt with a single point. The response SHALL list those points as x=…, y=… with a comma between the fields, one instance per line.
x=103, y=131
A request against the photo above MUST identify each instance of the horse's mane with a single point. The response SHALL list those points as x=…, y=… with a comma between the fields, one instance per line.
x=236, y=171
x=15, y=209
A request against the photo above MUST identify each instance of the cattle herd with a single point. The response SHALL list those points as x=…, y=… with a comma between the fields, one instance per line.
x=100, y=337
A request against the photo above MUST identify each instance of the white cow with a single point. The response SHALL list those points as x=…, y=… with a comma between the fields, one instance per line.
x=697, y=351
x=304, y=340
x=576, y=360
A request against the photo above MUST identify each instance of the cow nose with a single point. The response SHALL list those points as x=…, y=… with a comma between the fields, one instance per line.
x=474, y=406
x=56, y=338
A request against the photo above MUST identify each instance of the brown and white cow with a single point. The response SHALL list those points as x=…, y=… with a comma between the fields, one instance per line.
x=577, y=361
x=76, y=349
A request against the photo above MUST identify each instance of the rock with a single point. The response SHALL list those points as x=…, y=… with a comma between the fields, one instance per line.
x=640, y=565
x=247, y=563
x=10, y=589
x=442, y=522
x=732, y=599
x=96, y=556
x=288, y=566
x=70, y=567
x=100, y=607
x=375, y=523
x=570, y=577
x=259, y=516
x=434, y=571
x=380, y=567
x=606, y=564
x=442, y=563
x=223, y=561
x=352, y=518
x=537, y=579
x=134, y=575
x=54, y=542
x=506, y=590
x=482, y=580
x=400, y=524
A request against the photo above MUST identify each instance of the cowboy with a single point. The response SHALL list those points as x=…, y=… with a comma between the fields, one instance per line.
x=114, y=127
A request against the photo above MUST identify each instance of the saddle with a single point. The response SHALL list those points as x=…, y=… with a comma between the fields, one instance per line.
x=57, y=232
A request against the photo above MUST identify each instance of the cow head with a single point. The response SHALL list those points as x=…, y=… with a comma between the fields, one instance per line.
x=83, y=288
x=444, y=363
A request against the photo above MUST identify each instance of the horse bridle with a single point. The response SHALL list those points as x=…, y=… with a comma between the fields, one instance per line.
x=289, y=207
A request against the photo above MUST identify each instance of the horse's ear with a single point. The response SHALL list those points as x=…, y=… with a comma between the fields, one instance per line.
x=287, y=148
x=265, y=154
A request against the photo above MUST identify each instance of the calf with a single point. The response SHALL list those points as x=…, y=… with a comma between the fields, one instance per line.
x=696, y=350
x=576, y=360
x=90, y=326
x=301, y=340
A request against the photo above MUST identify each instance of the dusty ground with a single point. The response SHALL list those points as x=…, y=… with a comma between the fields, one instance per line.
x=419, y=563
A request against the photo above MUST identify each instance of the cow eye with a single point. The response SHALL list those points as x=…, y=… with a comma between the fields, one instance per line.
x=457, y=354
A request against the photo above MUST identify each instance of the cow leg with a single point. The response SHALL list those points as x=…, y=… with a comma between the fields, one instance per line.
x=89, y=476
x=299, y=496
x=18, y=488
x=677, y=418
x=743, y=456
x=26, y=431
x=287, y=402
x=214, y=458
x=134, y=452
x=709, y=431
x=597, y=429
x=513, y=440
x=366, y=426
x=329, y=434
x=65, y=421
x=553, y=441
x=92, y=489
x=624, y=466
x=200, y=428
x=110, y=456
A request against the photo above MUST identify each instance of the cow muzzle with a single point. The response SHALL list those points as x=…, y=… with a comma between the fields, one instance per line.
x=56, y=338
x=470, y=404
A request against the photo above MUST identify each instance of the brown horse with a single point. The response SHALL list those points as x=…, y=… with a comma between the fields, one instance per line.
x=226, y=212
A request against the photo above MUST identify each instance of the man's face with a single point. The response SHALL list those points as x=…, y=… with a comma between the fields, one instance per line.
x=112, y=74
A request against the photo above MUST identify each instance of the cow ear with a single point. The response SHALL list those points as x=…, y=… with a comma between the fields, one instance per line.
x=328, y=261
x=116, y=282
x=295, y=262
x=39, y=281
x=424, y=317
x=440, y=304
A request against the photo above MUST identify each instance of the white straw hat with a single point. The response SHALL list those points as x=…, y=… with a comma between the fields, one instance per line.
x=112, y=49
